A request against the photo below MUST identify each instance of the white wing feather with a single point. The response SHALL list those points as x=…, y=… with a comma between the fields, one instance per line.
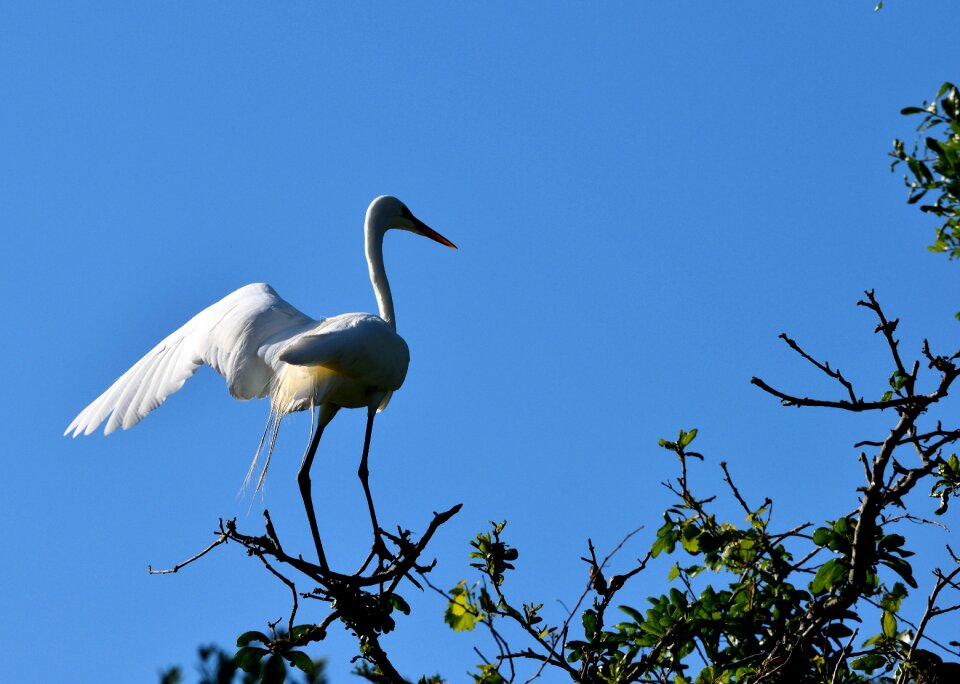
x=239, y=337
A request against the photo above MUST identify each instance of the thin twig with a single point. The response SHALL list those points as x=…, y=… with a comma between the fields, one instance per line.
x=888, y=328
x=733, y=487
x=825, y=367
x=844, y=652
x=221, y=539
x=293, y=591
x=932, y=610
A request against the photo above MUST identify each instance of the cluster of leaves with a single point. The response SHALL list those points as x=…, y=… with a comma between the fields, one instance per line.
x=838, y=538
x=494, y=557
x=746, y=602
x=485, y=603
x=268, y=659
x=947, y=483
x=216, y=666
x=934, y=165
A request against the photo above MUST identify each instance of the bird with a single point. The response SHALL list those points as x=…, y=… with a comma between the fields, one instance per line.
x=265, y=347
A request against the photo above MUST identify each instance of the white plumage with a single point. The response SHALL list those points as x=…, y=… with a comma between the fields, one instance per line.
x=263, y=346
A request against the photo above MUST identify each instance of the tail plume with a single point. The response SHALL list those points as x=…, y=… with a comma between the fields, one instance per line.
x=272, y=428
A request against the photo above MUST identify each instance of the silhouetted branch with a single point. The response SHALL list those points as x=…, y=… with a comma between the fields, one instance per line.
x=790, y=400
x=932, y=610
x=366, y=613
x=825, y=367
x=221, y=539
x=289, y=583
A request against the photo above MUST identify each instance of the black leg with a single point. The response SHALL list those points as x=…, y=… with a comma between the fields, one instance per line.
x=364, y=473
x=303, y=479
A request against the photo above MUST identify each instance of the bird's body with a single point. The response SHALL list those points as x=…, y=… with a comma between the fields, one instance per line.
x=263, y=346
x=364, y=361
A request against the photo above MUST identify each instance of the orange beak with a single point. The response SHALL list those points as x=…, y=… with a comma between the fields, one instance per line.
x=429, y=232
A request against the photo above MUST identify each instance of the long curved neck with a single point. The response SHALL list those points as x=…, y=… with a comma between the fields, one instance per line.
x=373, y=246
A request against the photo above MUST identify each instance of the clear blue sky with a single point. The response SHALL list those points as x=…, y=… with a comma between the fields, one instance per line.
x=644, y=195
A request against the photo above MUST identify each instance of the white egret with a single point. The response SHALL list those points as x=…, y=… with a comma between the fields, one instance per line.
x=263, y=346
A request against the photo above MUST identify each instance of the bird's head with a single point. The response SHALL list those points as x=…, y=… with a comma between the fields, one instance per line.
x=386, y=212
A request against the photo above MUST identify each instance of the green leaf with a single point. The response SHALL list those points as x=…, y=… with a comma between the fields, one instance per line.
x=829, y=574
x=253, y=635
x=576, y=650
x=687, y=437
x=633, y=613
x=397, y=602
x=486, y=603
x=460, y=615
x=902, y=568
x=837, y=630
x=299, y=630
x=822, y=535
x=677, y=598
x=951, y=103
x=274, y=672
x=489, y=674
x=248, y=657
x=934, y=145
x=589, y=624
x=889, y=624
x=674, y=572
x=652, y=628
x=868, y=663
x=301, y=661
x=892, y=599
x=665, y=543
x=690, y=539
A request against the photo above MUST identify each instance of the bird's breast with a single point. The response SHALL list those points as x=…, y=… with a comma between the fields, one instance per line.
x=351, y=361
x=299, y=388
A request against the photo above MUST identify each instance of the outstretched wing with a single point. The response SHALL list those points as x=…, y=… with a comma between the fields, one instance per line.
x=227, y=336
